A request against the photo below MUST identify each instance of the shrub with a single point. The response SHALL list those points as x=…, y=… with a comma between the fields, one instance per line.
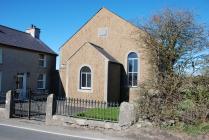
x=186, y=105
x=183, y=100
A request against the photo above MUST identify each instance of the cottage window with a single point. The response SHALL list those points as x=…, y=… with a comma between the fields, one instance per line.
x=42, y=60
x=85, y=78
x=132, y=69
x=41, y=81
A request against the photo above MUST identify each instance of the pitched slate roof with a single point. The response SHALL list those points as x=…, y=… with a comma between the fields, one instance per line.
x=19, y=39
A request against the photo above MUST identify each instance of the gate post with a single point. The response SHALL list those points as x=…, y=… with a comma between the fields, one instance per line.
x=127, y=115
x=50, y=107
x=9, y=104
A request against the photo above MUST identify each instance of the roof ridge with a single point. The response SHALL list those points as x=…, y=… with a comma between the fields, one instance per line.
x=14, y=29
x=16, y=38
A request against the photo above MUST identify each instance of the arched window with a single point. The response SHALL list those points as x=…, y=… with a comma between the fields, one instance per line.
x=132, y=69
x=85, y=78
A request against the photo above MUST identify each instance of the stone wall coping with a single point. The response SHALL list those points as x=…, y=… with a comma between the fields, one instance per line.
x=66, y=120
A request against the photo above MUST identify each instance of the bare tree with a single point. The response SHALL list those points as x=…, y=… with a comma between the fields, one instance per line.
x=204, y=66
x=178, y=45
x=175, y=39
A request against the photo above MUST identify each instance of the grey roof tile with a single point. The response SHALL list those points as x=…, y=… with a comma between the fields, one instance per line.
x=19, y=39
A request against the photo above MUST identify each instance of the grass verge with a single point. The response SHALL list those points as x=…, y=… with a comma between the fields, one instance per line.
x=107, y=114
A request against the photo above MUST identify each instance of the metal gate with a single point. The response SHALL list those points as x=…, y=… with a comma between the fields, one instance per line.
x=33, y=107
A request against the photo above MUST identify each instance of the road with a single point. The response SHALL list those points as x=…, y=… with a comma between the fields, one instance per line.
x=12, y=133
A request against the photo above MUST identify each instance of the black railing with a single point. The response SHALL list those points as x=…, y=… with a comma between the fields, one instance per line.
x=88, y=109
x=2, y=100
x=32, y=107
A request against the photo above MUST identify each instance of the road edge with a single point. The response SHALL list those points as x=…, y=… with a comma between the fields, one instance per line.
x=50, y=132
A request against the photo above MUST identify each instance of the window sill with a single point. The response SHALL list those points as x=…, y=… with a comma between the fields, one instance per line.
x=85, y=90
x=133, y=86
x=133, y=89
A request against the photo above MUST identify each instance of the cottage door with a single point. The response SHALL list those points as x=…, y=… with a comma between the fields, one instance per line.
x=21, y=85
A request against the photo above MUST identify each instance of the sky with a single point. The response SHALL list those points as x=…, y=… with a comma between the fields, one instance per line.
x=59, y=19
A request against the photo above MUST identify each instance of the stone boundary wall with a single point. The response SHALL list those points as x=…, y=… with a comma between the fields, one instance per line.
x=78, y=122
x=127, y=117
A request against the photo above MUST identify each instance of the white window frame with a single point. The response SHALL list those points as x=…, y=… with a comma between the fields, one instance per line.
x=132, y=72
x=86, y=73
x=42, y=59
x=42, y=80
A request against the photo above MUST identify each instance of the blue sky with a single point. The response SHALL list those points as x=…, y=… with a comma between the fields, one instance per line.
x=59, y=19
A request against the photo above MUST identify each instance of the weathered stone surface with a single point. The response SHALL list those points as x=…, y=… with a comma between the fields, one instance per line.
x=81, y=122
x=147, y=123
x=127, y=114
x=168, y=123
x=2, y=113
x=77, y=122
x=8, y=105
x=171, y=122
x=50, y=108
x=143, y=123
x=138, y=125
x=6, y=113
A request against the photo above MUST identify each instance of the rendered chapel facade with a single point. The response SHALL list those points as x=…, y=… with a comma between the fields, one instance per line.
x=102, y=61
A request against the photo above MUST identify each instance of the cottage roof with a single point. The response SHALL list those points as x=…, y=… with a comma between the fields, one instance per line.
x=23, y=40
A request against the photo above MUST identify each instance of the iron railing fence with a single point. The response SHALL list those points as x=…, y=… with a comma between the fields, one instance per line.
x=34, y=96
x=88, y=109
x=32, y=107
x=29, y=92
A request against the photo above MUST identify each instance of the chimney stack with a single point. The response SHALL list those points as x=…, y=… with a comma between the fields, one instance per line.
x=34, y=31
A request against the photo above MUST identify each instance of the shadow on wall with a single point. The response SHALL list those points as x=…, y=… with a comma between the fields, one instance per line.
x=57, y=87
x=61, y=89
x=124, y=92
